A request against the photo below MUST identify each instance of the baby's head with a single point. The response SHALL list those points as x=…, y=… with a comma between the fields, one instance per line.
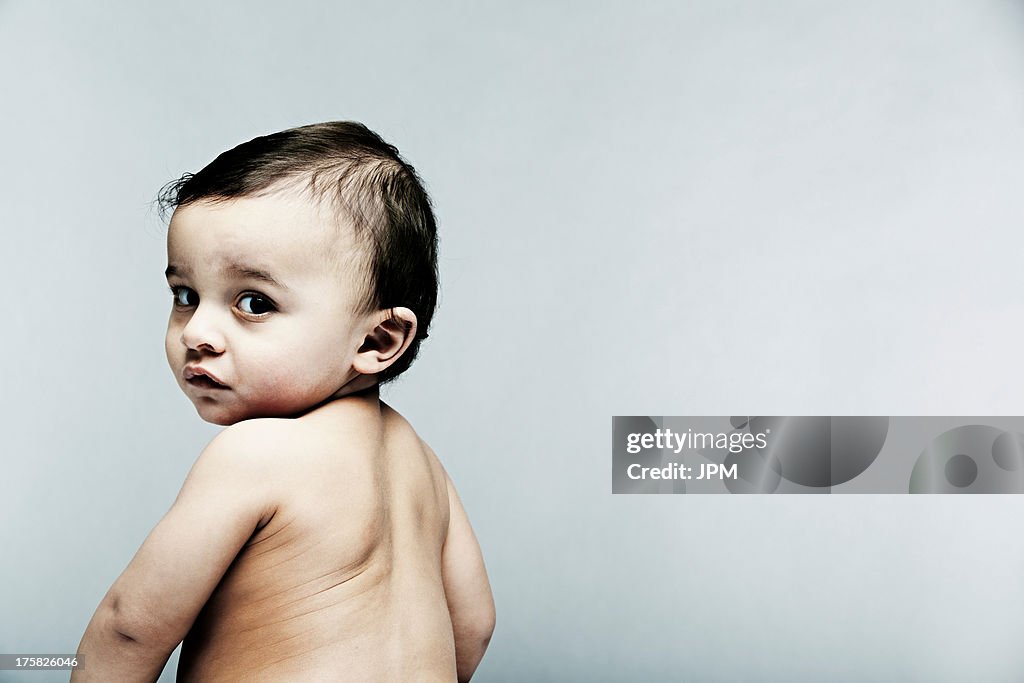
x=303, y=266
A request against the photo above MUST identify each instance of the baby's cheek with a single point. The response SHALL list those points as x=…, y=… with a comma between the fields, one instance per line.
x=171, y=348
x=284, y=387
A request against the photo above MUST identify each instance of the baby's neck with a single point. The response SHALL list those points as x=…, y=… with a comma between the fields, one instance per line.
x=350, y=392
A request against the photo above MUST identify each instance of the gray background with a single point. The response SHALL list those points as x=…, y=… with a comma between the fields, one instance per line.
x=795, y=208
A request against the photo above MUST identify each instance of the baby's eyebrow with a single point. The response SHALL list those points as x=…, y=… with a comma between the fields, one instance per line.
x=254, y=273
x=237, y=268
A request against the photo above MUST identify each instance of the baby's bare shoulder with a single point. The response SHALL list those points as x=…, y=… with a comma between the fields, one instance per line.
x=257, y=433
x=339, y=443
x=298, y=460
x=273, y=436
x=256, y=451
x=269, y=449
x=259, y=441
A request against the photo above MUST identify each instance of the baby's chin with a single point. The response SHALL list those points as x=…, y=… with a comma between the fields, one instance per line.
x=218, y=415
x=226, y=415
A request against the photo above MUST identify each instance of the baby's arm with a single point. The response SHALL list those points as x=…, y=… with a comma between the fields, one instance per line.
x=467, y=589
x=152, y=605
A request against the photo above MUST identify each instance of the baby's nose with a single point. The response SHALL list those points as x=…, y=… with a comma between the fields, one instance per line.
x=203, y=332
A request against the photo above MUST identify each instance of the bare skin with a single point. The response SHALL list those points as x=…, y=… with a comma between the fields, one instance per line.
x=361, y=565
x=349, y=564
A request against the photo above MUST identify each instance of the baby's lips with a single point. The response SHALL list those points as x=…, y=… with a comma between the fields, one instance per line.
x=198, y=371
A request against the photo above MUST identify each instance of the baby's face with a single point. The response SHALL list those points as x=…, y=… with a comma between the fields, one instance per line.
x=257, y=305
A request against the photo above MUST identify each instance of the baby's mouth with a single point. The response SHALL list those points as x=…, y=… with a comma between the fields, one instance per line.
x=205, y=382
x=200, y=377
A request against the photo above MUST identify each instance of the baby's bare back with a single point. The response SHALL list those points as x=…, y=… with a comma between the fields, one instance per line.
x=344, y=581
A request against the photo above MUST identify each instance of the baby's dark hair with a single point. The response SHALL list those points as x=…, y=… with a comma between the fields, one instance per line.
x=361, y=176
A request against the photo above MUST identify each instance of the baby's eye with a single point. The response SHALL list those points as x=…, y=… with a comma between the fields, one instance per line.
x=181, y=296
x=255, y=304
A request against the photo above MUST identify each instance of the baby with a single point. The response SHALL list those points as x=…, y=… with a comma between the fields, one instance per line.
x=317, y=538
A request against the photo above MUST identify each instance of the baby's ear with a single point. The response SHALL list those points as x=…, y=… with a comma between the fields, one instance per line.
x=386, y=342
